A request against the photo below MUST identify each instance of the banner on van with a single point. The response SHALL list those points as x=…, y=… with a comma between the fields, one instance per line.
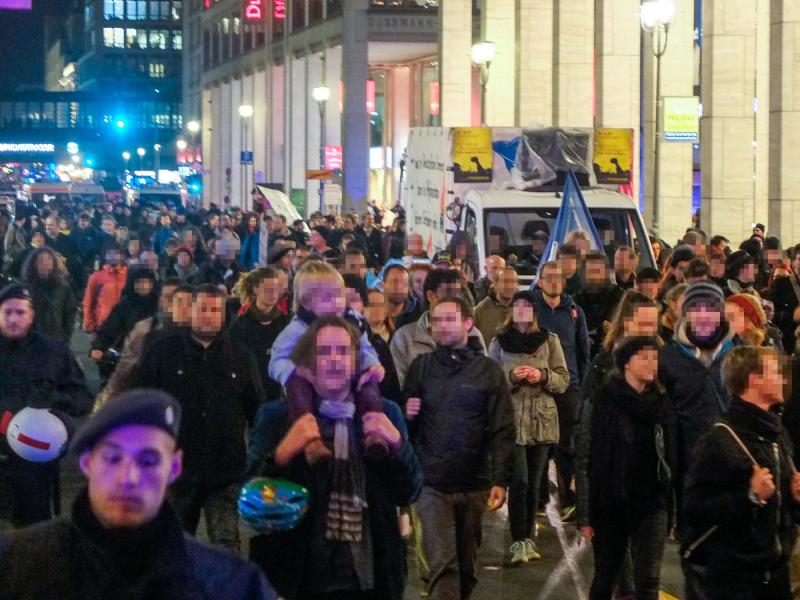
x=472, y=155
x=613, y=155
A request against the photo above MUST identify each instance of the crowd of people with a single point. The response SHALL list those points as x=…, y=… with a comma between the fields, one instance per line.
x=407, y=393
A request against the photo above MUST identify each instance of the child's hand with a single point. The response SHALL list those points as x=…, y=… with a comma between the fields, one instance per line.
x=379, y=424
x=413, y=406
x=374, y=374
x=304, y=430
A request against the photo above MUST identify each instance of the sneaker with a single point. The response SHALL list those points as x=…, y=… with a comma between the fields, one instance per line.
x=530, y=550
x=519, y=553
x=569, y=515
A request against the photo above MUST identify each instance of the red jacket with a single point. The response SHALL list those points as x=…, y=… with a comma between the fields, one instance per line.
x=103, y=292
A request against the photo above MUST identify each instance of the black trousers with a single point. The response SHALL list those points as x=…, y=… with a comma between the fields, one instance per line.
x=29, y=491
x=568, y=405
x=702, y=584
x=219, y=507
x=523, y=494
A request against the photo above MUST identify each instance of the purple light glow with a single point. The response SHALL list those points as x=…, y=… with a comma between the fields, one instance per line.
x=15, y=4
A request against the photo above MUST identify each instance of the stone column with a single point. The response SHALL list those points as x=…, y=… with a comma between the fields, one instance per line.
x=677, y=79
x=730, y=60
x=574, y=63
x=534, y=62
x=355, y=127
x=455, y=69
x=618, y=62
x=784, y=172
x=296, y=133
x=316, y=76
x=497, y=22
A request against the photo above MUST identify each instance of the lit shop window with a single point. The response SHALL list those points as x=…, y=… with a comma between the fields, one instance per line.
x=156, y=70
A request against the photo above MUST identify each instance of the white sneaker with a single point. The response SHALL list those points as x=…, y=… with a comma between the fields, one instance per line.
x=530, y=550
x=519, y=553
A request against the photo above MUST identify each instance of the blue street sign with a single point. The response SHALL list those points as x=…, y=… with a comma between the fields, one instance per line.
x=245, y=158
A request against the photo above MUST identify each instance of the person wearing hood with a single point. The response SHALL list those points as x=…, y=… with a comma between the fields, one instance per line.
x=139, y=301
x=53, y=301
x=260, y=321
x=628, y=457
x=222, y=270
x=681, y=256
x=462, y=427
x=689, y=368
x=559, y=314
x=598, y=298
x=742, y=499
x=184, y=267
x=104, y=289
x=492, y=312
x=532, y=360
x=740, y=274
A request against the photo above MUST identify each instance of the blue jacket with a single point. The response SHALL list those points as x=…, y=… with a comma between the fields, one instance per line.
x=281, y=365
x=248, y=255
x=568, y=322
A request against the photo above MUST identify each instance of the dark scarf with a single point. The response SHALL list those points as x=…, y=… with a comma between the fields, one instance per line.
x=708, y=343
x=514, y=341
x=264, y=317
x=623, y=459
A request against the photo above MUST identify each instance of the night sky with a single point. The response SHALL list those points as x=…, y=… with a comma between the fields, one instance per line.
x=22, y=45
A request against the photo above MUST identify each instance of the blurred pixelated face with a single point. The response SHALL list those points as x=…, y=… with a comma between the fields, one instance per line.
x=538, y=246
x=418, y=277
x=648, y=288
x=143, y=286
x=316, y=240
x=595, y=272
x=493, y=266
x=327, y=299
x=704, y=320
x=182, y=309
x=354, y=264
x=735, y=316
x=188, y=237
x=376, y=310
x=208, y=316
x=184, y=259
x=623, y=263
x=16, y=318
x=680, y=271
x=268, y=292
x=353, y=300
x=128, y=472
x=37, y=240
x=448, y=327
x=44, y=265
x=717, y=267
x=552, y=282
x=774, y=257
x=213, y=221
x=415, y=244
x=772, y=380
x=656, y=248
x=522, y=312
x=114, y=257
x=507, y=284
x=84, y=223
x=368, y=220
x=569, y=265
x=747, y=274
x=335, y=365
x=283, y=280
x=134, y=247
x=51, y=226
x=150, y=260
x=298, y=258
x=644, y=322
x=644, y=365
x=165, y=299
x=583, y=246
x=395, y=286
x=447, y=290
x=108, y=227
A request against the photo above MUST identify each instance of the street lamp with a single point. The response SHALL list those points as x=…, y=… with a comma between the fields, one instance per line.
x=141, y=152
x=482, y=55
x=193, y=127
x=246, y=113
x=321, y=94
x=126, y=156
x=657, y=16
x=157, y=159
x=181, y=145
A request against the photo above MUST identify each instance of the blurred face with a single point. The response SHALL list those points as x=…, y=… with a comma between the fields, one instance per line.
x=368, y=220
x=213, y=221
x=182, y=309
x=208, y=316
x=165, y=220
x=643, y=365
x=252, y=222
x=16, y=318
x=134, y=248
x=44, y=265
x=353, y=300
x=188, y=237
x=108, y=227
x=336, y=361
x=283, y=281
x=717, y=267
x=418, y=282
x=595, y=273
x=268, y=292
x=644, y=322
x=569, y=265
x=37, y=241
x=226, y=221
x=623, y=263
x=298, y=258
x=448, y=327
x=506, y=285
x=395, y=286
x=354, y=264
x=704, y=320
x=796, y=263
x=680, y=271
x=150, y=259
x=648, y=288
x=316, y=240
x=84, y=223
x=128, y=473
x=747, y=274
x=184, y=259
x=415, y=244
x=445, y=290
x=165, y=300
x=114, y=257
x=51, y=226
x=656, y=247
x=376, y=311
x=771, y=381
x=327, y=300
x=552, y=282
x=522, y=313
x=735, y=316
x=143, y=286
x=538, y=247
x=493, y=265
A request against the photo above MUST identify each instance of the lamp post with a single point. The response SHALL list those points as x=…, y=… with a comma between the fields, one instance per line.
x=193, y=127
x=245, y=112
x=656, y=17
x=126, y=156
x=157, y=159
x=482, y=55
x=141, y=152
x=321, y=94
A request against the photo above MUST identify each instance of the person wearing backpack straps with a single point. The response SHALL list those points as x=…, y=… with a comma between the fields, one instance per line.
x=742, y=498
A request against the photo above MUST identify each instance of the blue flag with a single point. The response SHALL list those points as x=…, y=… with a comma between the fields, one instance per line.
x=573, y=214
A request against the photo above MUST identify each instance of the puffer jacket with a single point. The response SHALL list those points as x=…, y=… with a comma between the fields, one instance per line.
x=535, y=412
x=103, y=292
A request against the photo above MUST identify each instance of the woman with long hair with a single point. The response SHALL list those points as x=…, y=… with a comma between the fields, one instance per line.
x=536, y=369
x=53, y=300
x=673, y=301
x=193, y=237
x=747, y=318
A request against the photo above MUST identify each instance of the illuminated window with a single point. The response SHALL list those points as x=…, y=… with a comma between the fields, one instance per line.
x=156, y=70
x=114, y=37
x=158, y=39
x=176, y=10
x=114, y=9
x=177, y=40
x=131, y=38
x=141, y=38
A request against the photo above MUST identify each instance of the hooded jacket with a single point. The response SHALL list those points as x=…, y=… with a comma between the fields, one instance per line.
x=568, y=322
x=414, y=339
x=55, y=307
x=103, y=292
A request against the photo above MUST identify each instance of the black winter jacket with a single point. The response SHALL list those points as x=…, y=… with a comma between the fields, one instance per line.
x=749, y=540
x=785, y=301
x=55, y=306
x=73, y=559
x=464, y=434
x=258, y=337
x=219, y=389
x=598, y=306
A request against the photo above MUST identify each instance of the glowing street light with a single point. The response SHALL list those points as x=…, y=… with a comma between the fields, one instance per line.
x=193, y=126
x=141, y=152
x=181, y=145
x=482, y=55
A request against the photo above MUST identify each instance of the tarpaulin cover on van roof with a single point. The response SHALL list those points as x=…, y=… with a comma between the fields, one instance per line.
x=546, y=155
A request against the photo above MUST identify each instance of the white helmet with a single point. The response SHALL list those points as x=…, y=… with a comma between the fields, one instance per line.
x=35, y=434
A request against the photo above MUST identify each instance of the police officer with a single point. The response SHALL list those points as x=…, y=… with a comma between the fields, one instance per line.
x=122, y=539
x=41, y=372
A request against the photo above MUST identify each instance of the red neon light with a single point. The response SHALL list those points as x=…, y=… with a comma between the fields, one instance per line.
x=434, y=102
x=279, y=10
x=252, y=10
x=207, y=4
x=370, y=96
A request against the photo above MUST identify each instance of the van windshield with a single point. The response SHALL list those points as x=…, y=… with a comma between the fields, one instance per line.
x=516, y=232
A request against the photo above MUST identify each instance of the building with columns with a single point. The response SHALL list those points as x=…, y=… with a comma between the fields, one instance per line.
x=395, y=64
